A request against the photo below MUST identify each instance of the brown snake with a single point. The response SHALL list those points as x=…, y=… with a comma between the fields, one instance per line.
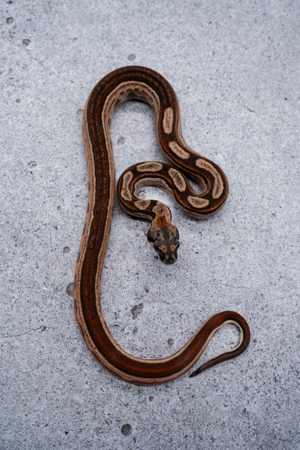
x=144, y=84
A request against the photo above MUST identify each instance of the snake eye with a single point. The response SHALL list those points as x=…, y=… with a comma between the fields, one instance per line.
x=163, y=248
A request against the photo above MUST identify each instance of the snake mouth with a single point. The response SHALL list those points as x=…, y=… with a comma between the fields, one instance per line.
x=170, y=262
x=167, y=258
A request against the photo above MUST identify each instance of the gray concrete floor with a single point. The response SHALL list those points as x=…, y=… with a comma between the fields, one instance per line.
x=235, y=69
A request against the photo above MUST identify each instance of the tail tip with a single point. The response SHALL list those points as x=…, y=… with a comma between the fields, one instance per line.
x=196, y=372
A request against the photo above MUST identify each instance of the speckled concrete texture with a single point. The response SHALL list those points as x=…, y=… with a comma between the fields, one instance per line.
x=235, y=68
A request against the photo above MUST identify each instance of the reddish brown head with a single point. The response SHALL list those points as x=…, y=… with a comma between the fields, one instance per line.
x=164, y=240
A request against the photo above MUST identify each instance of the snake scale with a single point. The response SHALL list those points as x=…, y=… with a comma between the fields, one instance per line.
x=147, y=85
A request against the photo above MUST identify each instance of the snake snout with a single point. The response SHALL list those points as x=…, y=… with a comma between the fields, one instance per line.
x=168, y=258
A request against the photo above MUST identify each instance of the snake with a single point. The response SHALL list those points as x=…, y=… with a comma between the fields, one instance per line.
x=144, y=84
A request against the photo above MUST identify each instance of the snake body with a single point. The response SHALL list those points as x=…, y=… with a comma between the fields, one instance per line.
x=142, y=83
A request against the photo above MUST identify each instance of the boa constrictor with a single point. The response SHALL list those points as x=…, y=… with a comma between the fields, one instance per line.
x=144, y=84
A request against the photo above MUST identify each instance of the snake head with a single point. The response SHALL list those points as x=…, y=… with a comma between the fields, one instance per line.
x=164, y=240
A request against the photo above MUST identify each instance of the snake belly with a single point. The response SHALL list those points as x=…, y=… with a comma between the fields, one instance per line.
x=145, y=84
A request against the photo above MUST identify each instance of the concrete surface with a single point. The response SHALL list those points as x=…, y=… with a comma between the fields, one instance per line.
x=235, y=68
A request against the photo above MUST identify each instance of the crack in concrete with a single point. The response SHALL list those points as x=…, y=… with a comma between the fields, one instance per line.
x=42, y=328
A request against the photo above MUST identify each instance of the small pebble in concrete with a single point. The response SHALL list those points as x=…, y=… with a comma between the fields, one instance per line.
x=70, y=289
x=66, y=250
x=126, y=429
x=136, y=310
x=147, y=289
x=9, y=20
x=32, y=164
x=151, y=398
x=26, y=42
x=131, y=57
x=18, y=100
x=170, y=342
x=135, y=330
x=121, y=140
